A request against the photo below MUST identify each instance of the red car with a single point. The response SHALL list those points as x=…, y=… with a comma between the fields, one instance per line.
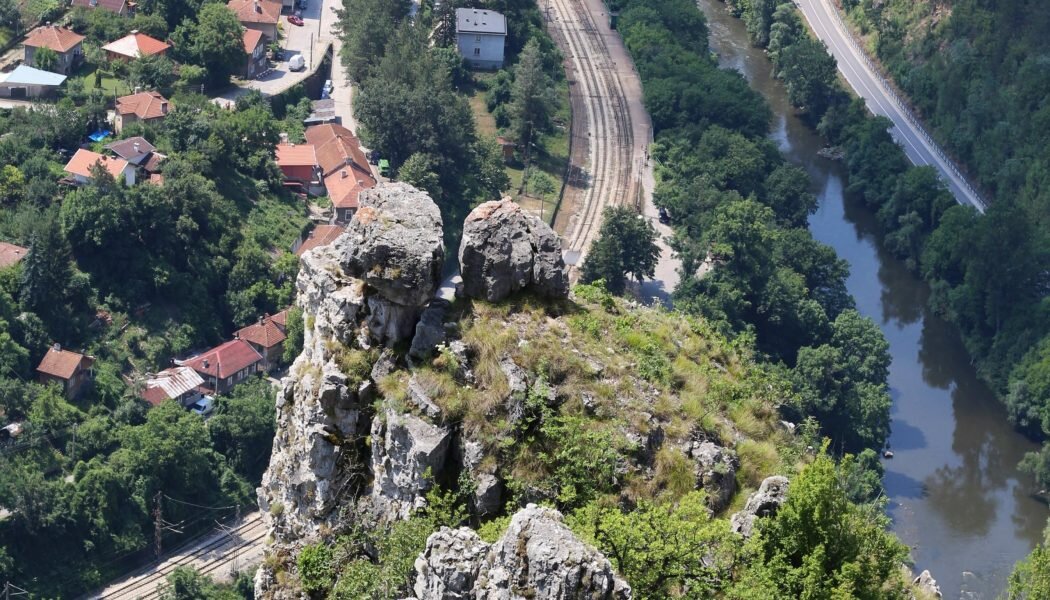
x=294, y=20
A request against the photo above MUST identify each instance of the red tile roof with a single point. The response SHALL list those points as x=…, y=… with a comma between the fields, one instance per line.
x=144, y=105
x=252, y=38
x=83, y=160
x=137, y=44
x=225, y=360
x=256, y=11
x=296, y=155
x=336, y=147
x=264, y=333
x=281, y=319
x=346, y=185
x=113, y=6
x=59, y=39
x=63, y=363
x=10, y=254
x=153, y=162
x=322, y=235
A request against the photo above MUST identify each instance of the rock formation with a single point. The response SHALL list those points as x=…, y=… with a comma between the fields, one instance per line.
x=763, y=503
x=715, y=472
x=538, y=557
x=927, y=584
x=406, y=452
x=366, y=289
x=505, y=249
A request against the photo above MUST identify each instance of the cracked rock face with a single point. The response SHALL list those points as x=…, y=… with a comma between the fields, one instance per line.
x=505, y=249
x=763, y=503
x=367, y=288
x=406, y=452
x=537, y=558
x=716, y=472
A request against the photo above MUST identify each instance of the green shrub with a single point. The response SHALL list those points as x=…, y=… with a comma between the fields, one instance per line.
x=316, y=569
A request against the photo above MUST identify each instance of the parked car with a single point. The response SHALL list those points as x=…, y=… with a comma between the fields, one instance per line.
x=296, y=63
x=204, y=406
x=294, y=20
x=327, y=86
x=665, y=218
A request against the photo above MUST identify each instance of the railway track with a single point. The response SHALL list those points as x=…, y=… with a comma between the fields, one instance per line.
x=611, y=170
x=216, y=554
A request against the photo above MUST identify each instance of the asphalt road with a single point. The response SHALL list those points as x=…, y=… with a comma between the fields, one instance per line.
x=828, y=26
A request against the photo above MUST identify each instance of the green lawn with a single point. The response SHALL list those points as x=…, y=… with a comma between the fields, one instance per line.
x=549, y=156
x=109, y=84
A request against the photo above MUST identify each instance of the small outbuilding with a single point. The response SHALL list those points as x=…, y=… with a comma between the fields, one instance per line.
x=27, y=82
x=71, y=370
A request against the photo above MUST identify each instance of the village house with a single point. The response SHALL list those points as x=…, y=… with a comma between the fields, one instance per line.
x=27, y=82
x=480, y=37
x=255, y=48
x=225, y=366
x=135, y=150
x=181, y=384
x=267, y=337
x=135, y=45
x=11, y=254
x=260, y=15
x=344, y=169
x=322, y=235
x=119, y=7
x=71, y=370
x=66, y=43
x=79, y=167
x=298, y=163
x=144, y=106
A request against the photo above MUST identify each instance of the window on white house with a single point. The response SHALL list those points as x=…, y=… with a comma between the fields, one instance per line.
x=477, y=38
x=477, y=51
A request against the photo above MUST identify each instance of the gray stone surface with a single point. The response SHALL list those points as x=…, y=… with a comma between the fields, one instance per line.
x=927, y=584
x=405, y=450
x=715, y=472
x=765, y=502
x=396, y=243
x=537, y=558
x=430, y=330
x=504, y=250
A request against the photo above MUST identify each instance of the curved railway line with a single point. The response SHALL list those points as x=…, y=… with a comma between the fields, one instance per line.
x=602, y=118
x=218, y=551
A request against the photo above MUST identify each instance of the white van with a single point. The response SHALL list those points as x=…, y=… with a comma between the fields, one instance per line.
x=296, y=63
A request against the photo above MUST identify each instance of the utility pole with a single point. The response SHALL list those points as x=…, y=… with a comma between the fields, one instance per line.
x=158, y=525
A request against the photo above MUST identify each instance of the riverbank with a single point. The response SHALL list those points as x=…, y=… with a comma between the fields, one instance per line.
x=955, y=494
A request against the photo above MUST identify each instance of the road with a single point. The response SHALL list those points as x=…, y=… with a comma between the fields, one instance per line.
x=218, y=555
x=611, y=132
x=824, y=19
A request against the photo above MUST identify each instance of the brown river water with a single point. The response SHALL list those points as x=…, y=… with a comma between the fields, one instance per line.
x=955, y=494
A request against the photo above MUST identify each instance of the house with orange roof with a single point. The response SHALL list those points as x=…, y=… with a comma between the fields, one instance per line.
x=67, y=43
x=322, y=235
x=298, y=162
x=79, y=167
x=255, y=48
x=11, y=254
x=260, y=15
x=281, y=319
x=225, y=366
x=71, y=370
x=135, y=45
x=267, y=337
x=344, y=169
x=144, y=106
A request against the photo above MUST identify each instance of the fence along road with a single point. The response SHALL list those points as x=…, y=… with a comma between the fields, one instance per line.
x=864, y=78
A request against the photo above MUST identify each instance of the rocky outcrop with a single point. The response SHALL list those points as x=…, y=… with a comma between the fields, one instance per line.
x=504, y=250
x=407, y=452
x=927, y=585
x=715, y=472
x=538, y=557
x=763, y=503
x=488, y=489
x=364, y=290
x=430, y=331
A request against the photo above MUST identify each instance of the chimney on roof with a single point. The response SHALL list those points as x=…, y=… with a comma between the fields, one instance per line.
x=345, y=174
x=258, y=8
x=56, y=347
x=137, y=146
x=205, y=363
x=134, y=32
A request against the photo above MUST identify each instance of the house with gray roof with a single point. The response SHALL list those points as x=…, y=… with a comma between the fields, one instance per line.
x=27, y=82
x=480, y=37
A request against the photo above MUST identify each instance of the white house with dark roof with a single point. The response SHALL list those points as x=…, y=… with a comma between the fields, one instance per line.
x=481, y=36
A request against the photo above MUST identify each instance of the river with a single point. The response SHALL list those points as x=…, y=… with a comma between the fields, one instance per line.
x=955, y=494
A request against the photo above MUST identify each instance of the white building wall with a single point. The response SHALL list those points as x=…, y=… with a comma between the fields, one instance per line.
x=482, y=50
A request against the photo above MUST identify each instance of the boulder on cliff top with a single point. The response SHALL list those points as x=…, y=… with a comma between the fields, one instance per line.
x=538, y=557
x=505, y=249
x=396, y=243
